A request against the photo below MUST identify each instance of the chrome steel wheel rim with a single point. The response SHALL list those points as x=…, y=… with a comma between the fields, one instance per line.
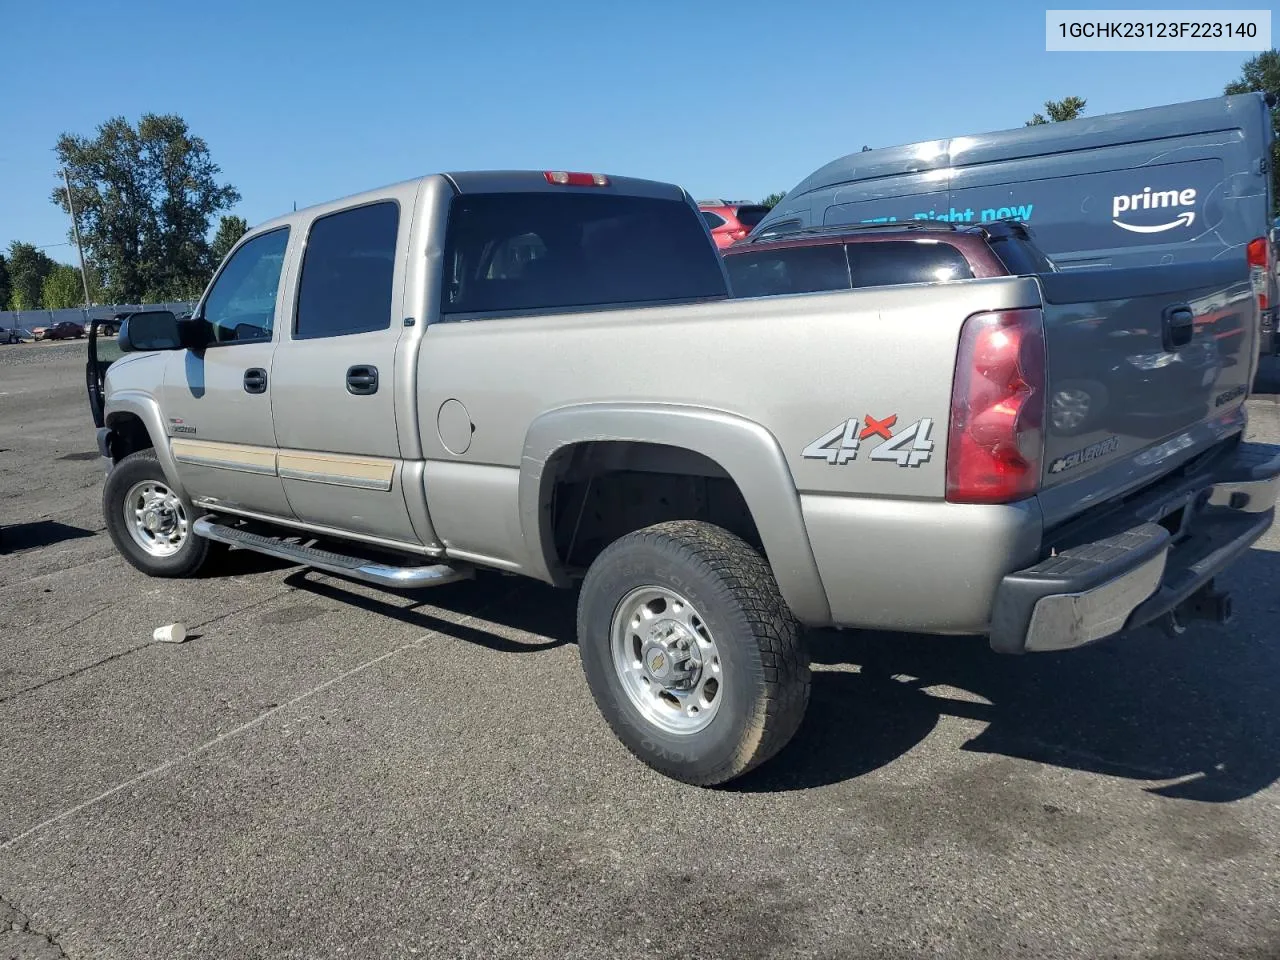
x=667, y=660
x=155, y=518
x=1069, y=409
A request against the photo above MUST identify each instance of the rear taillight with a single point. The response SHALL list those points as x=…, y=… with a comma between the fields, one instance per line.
x=1259, y=256
x=996, y=438
x=564, y=178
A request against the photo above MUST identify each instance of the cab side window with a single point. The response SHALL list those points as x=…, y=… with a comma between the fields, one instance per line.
x=348, y=272
x=241, y=306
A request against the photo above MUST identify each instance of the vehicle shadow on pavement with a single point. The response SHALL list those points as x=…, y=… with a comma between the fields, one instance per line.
x=1199, y=709
x=240, y=563
x=40, y=533
x=551, y=622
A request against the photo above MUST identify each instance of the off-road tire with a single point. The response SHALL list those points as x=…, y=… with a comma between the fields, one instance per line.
x=135, y=468
x=764, y=659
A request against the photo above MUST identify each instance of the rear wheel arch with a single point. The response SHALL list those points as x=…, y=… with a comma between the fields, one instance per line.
x=699, y=442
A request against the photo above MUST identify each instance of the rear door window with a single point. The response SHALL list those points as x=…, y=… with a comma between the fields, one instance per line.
x=537, y=252
x=767, y=273
x=894, y=262
x=347, y=272
x=752, y=215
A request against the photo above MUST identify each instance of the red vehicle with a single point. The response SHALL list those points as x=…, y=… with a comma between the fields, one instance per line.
x=730, y=220
x=64, y=330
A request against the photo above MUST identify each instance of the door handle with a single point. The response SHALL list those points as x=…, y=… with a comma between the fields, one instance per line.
x=362, y=380
x=255, y=380
x=1179, y=326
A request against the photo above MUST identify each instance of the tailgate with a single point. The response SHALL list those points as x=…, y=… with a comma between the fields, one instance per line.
x=1147, y=366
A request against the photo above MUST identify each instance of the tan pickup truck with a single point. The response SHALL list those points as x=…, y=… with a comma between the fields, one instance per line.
x=545, y=374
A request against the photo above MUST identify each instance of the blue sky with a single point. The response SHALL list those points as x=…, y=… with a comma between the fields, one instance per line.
x=310, y=101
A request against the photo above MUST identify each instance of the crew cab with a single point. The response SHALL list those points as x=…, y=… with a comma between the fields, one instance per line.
x=545, y=374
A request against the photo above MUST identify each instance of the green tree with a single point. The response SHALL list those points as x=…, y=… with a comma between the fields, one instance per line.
x=28, y=266
x=1262, y=74
x=145, y=197
x=230, y=229
x=4, y=282
x=61, y=288
x=772, y=200
x=1068, y=108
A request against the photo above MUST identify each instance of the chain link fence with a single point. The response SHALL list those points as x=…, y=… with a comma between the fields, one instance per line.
x=30, y=319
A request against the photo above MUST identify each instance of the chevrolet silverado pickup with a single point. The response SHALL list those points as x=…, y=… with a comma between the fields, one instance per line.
x=545, y=374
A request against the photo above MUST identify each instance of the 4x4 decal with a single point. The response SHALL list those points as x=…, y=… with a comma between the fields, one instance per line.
x=909, y=447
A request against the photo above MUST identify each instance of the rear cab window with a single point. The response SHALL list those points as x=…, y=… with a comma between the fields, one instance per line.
x=531, y=252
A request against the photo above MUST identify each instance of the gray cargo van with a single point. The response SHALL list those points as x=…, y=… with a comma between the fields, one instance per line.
x=1171, y=184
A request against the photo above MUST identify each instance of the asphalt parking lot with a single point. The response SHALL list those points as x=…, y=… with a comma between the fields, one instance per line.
x=327, y=770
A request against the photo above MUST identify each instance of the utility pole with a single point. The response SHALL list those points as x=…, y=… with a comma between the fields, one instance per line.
x=75, y=229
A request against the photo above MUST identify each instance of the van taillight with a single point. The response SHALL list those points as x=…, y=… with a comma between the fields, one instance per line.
x=996, y=438
x=1259, y=256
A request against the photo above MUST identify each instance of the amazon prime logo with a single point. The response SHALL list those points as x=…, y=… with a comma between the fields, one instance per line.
x=1150, y=199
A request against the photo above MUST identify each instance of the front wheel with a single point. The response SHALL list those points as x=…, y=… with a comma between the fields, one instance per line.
x=147, y=520
x=690, y=651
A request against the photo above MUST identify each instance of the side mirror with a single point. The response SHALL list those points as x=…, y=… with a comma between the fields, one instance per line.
x=150, y=330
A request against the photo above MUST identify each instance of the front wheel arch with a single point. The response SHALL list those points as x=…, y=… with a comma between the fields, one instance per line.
x=131, y=408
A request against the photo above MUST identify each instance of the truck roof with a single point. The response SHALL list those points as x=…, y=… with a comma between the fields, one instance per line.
x=489, y=181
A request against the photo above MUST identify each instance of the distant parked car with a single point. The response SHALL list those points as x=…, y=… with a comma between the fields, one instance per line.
x=730, y=220
x=14, y=334
x=64, y=330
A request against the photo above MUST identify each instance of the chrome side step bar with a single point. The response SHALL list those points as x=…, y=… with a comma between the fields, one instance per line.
x=355, y=568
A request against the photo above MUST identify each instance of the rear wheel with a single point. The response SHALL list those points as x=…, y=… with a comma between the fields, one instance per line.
x=690, y=651
x=147, y=520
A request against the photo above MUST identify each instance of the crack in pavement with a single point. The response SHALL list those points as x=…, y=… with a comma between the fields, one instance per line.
x=124, y=653
x=73, y=673
x=250, y=724
x=19, y=940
